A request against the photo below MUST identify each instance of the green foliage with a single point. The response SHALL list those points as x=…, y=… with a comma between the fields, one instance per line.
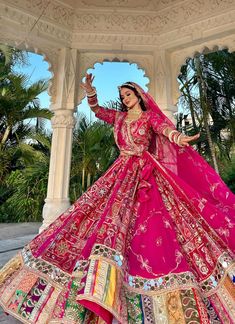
x=24, y=147
x=28, y=191
x=228, y=173
x=93, y=151
x=23, y=190
x=207, y=84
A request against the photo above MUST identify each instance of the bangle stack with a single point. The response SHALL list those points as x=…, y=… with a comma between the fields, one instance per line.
x=175, y=136
x=91, y=93
x=178, y=140
x=172, y=135
x=92, y=98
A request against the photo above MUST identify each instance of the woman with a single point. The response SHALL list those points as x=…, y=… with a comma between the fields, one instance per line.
x=151, y=241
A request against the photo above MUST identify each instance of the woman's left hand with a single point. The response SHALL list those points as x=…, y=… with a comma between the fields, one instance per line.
x=184, y=139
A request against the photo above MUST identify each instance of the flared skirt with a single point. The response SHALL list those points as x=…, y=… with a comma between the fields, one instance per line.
x=140, y=246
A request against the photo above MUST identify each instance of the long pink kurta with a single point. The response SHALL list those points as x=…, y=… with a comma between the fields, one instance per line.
x=141, y=245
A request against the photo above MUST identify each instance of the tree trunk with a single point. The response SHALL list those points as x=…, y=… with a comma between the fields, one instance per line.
x=205, y=111
x=5, y=136
x=191, y=109
x=83, y=179
x=88, y=180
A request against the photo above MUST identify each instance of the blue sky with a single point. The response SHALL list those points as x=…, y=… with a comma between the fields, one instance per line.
x=108, y=76
x=37, y=69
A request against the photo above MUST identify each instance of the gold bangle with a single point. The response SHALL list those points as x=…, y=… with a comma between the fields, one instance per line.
x=93, y=105
x=178, y=141
x=91, y=94
x=171, y=133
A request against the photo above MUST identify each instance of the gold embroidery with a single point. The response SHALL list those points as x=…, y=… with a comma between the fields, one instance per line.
x=175, y=311
x=160, y=309
x=227, y=301
x=10, y=267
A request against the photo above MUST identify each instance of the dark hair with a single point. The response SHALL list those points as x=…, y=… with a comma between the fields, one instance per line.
x=128, y=85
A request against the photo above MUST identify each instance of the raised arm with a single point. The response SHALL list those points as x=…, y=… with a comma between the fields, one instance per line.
x=107, y=115
x=161, y=126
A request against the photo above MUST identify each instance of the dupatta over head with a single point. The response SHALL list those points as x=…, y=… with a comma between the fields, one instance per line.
x=185, y=162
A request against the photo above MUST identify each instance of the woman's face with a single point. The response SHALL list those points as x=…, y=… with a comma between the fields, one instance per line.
x=128, y=98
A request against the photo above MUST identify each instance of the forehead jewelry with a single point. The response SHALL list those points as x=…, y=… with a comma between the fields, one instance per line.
x=126, y=84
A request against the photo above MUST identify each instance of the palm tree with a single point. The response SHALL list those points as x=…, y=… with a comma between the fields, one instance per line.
x=206, y=111
x=93, y=152
x=19, y=105
x=208, y=93
x=23, y=192
x=21, y=153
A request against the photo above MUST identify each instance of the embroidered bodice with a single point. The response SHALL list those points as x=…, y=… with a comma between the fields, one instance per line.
x=132, y=137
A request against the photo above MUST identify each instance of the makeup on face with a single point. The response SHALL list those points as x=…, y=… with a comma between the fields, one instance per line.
x=128, y=97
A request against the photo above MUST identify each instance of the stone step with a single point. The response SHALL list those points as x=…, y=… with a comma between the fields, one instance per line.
x=12, y=230
x=8, y=248
x=7, y=319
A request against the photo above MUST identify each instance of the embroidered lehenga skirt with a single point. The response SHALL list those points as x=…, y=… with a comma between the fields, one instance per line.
x=140, y=246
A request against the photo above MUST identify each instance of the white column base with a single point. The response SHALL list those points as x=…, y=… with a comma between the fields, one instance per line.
x=52, y=209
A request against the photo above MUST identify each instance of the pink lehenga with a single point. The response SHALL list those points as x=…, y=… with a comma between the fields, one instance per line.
x=145, y=244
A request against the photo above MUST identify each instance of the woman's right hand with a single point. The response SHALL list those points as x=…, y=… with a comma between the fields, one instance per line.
x=87, y=85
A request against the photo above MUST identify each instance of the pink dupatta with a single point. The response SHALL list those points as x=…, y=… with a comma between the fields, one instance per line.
x=185, y=162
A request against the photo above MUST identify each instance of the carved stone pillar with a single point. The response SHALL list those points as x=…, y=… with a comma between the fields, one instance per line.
x=57, y=200
x=163, y=83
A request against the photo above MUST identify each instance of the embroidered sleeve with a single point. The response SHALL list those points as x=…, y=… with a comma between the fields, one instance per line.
x=160, y=125
x=107, y=115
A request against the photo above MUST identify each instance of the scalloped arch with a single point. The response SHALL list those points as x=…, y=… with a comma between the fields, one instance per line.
x=179, y=58
x=48, y=54
x=143, y=62
x=139, y=65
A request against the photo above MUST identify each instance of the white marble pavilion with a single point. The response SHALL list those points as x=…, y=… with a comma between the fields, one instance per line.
x=73, y=35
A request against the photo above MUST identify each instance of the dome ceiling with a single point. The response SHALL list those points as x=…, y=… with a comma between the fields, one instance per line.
x=143, y=5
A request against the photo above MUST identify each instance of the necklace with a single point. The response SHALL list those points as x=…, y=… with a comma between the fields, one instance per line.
x=133, y=116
